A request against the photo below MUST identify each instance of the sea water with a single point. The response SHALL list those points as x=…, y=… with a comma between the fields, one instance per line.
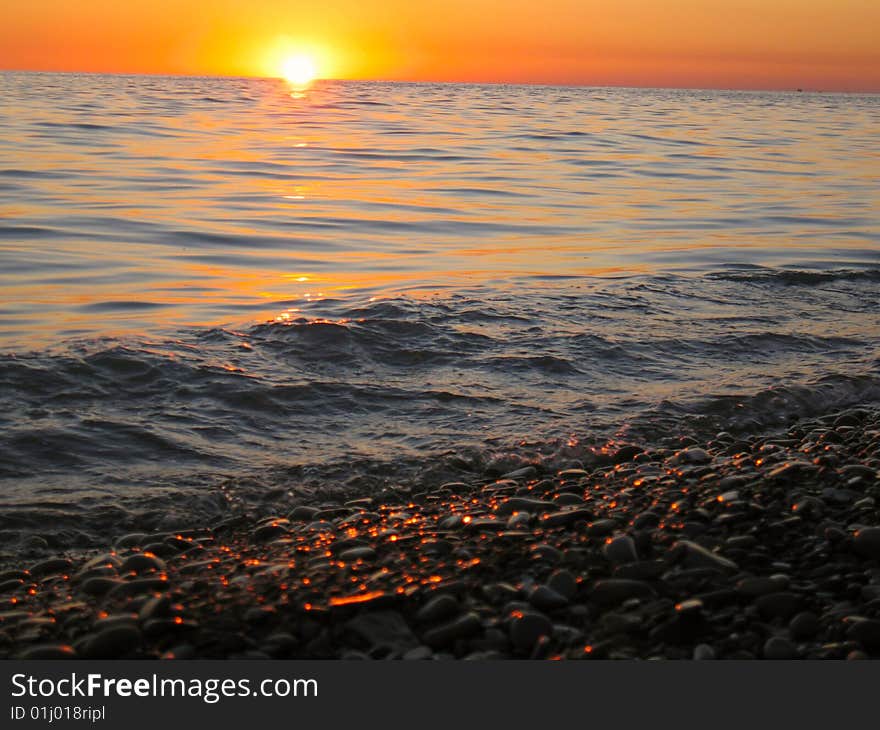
x=220, y=293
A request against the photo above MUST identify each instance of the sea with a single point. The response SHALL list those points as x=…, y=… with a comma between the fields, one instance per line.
x=227, y=295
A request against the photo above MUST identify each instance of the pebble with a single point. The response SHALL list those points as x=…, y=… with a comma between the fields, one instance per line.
x=620, y=550
x=382, y=629
x=778, y=647
x=155, y=607
x=48, y=651
x=783, y=604
x=547, y=553
x=804, y=625
x=419, y=653
x=617, y=590
x=303, y=513
x=358, y=553
x=98, y=586
x=692, y=555
x=524, y=504
x=564, y=583
x=601, y=528
x=565, y=517
x=112, y=643
x=437, y=609
x=692, y=455
x=866, y=632
x=266, y=533
x=866, y=542
x=134, y=539
x=464, y=626
x=526, y=627
x=626, y=453
x=142, y=563
x=761, y=585
x=137, y=587
x=53, y=566
x=545, y=598
x=703, y=652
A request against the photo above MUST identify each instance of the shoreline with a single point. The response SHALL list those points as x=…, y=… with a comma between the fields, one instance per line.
x=734, y=548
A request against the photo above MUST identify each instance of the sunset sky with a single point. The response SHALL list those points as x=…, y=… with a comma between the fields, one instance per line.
x=817, y=44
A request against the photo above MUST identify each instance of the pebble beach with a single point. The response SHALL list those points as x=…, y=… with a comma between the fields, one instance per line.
x=737, y=547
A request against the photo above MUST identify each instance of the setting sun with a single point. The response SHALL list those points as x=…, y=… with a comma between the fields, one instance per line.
x=299, y=70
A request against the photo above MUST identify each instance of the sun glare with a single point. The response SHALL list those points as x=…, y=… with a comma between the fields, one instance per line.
x=298, y=70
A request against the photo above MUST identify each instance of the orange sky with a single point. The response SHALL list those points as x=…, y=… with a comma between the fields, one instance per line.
x=824, y=44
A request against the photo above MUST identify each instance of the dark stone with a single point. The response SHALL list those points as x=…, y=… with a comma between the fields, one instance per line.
x=565, y=517
x=866, y=632
x=778, y=647
x=545, y=598
x=113, y=642
x=385, y=629
x=526, y=627
x=783, y=604
x=142, y=563
x=357, y=553
x=98, y=586
x=437, y=609
x=866, y=542
x=804, y=625
x=48, y=651
x=692, y=555
x=462, y=627
x=53, y=566
x=617, y=590
x=564, y=583
x=620, y=550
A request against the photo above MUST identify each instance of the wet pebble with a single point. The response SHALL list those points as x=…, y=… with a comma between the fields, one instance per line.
x=545, y=598
x=804, y=625
x=464, y=626
x=617, y=590
x=437, y=608
x=112, y=643
x=48, y=651
x=778, y=647
x=866, y=542
x=564, y=583
x=526, y=627
x=620, y=550
x=142, y=563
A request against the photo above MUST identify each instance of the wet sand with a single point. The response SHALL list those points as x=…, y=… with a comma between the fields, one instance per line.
x=740, y=547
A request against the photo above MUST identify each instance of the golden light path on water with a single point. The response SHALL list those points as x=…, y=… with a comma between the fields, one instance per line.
x=149, y=203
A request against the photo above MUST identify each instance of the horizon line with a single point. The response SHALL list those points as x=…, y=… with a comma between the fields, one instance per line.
x=561, y=84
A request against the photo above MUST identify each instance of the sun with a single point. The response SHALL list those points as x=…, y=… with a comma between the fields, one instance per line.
x=299, y=70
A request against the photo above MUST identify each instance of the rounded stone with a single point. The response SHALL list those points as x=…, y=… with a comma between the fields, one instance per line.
x=462, y=627
x=866, y=542
x=48, y=651
x=866, y=632
x=526, y=627
x=778, y=647
x=112, y=643
x=437, y=608
x=142, y=563
x=564, y=583
x=352, y=555
x=53, y=566
x=617, y=590
x=545, y=598
x=778, y=605
x=803, y=625
x=620, y=550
